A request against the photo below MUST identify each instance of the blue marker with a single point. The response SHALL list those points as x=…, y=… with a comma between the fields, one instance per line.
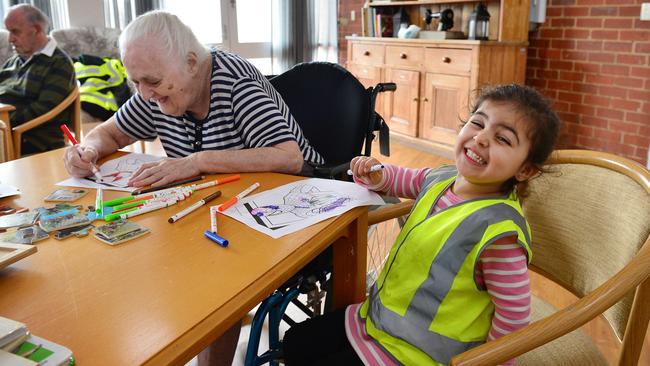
x=216, y=238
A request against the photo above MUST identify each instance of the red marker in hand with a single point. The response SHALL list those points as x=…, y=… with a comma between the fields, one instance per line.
x=74, y=141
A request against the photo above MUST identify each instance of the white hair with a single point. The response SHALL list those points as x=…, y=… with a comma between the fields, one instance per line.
x=32, y=15
x=176, y=38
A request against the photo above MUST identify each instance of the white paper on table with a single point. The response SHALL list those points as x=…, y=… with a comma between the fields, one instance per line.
x=7, y=190
x=115, y=172
x=295, y=206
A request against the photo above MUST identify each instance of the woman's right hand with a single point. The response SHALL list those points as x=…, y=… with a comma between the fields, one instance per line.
x=78, y=160
x=360, y=167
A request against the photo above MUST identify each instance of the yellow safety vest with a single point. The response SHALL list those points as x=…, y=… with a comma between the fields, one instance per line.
x=426, y=307
x=98, y=79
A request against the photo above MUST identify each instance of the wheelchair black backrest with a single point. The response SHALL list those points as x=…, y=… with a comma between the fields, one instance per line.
x=331, y=106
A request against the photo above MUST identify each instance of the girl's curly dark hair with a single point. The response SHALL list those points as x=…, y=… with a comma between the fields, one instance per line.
x=543, y=123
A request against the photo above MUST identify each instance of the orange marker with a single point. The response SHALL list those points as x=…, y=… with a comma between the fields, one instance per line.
x=226, y=205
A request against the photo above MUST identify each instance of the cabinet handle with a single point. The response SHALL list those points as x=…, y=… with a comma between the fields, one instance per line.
x=366, y=53
x=446, y=60
x=415, y=99
x=426, y=100
x=402, y=55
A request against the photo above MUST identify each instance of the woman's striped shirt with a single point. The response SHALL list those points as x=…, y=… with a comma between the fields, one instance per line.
x=245, y=112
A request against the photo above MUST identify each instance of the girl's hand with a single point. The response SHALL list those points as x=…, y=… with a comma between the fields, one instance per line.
x=360, y=167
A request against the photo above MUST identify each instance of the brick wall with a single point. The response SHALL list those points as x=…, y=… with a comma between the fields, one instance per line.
x=592, y=58
x=346, y=26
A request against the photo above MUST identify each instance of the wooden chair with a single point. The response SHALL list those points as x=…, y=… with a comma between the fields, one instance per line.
x=591, y=235
x=12, y=135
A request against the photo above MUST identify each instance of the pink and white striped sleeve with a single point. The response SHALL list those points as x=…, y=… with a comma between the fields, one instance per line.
x=399, y=181
x=503, y=271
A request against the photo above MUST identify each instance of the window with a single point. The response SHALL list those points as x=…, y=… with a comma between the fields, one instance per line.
x=56, y=10
x=249, y=28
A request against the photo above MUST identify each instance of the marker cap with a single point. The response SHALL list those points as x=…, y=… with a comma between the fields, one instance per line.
x=216, y=238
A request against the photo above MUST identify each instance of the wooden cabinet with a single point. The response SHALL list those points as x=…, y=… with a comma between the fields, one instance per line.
x=401, y=109
x=444, y=105
x=437, y=79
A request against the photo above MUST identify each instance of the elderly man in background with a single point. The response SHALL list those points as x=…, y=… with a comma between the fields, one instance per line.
x=36, y=79
x=213, y=111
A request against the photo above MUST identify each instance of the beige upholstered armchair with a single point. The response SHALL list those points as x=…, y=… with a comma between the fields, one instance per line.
x=591, y=235
x=102, y=42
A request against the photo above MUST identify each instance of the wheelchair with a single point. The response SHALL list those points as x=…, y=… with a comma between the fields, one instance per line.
x=337, y=115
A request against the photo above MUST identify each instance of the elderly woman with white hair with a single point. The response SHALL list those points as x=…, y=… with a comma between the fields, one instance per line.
x=213, y=111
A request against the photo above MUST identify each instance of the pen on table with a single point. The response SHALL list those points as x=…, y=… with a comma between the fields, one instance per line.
x=192, y=187
x=180, y=192
x=135, y=211
x=373, y=168
x=74, y=141
x=99, y=202
x=216, y=238
x=119, y=203
x=194, y=207
x=213, y=219
x=226, y=205
x=165, y=186
x=215, y=182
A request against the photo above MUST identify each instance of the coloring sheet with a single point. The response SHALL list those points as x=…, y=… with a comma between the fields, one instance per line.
x=116, y=173
x=295, y=206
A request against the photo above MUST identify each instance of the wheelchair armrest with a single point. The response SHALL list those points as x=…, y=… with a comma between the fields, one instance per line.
x=333, y=171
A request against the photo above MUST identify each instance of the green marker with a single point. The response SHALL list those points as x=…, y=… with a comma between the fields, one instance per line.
x=127, y=205
x=116, y=216
x=117, y=201
x=99, y=202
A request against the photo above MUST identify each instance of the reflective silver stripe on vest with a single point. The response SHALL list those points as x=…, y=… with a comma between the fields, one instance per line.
x=413, y=327
x=440, y=174
x=114, y=76
x=107, y=100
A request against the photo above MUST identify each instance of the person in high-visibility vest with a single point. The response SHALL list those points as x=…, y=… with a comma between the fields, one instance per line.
x=457, y=275
x=103, y=87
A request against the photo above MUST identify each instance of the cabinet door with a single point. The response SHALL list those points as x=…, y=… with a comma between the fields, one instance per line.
x=402, y=104
x=443, y=106
x=369, y=76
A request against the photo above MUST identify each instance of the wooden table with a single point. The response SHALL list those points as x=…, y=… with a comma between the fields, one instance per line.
x=161, y=298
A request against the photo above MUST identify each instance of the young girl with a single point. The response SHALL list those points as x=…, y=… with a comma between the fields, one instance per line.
x=457, y=274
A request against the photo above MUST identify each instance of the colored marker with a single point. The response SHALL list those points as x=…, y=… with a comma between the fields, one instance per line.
x=169, y=185
x=190, y=209
x=373, y=168
x=216, y=238
x=117, y=201
x=115, y=216
x=226, y=205
x=145, y=209
x=213, y=219
x=123, y=210
x=164, y=193
x=215, y=182
x=99, y=202
x=74, y=141
x=128, y=205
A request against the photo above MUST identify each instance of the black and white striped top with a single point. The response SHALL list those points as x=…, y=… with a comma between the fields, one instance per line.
x=245, y=112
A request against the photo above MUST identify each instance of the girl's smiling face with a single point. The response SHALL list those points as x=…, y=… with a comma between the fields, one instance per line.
x=492, y=148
